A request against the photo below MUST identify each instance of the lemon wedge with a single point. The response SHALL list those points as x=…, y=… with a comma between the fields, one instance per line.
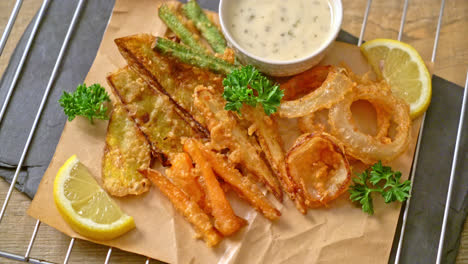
x=85, y=206
x=404, y=70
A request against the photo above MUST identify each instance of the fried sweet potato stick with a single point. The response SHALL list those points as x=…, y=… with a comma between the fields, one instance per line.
x=225, y=220
x=246, y=189
x=267, y=134
x=226, y=133
x=184, y=176
x=126, y=151
x=186, y=206
x=153, y=112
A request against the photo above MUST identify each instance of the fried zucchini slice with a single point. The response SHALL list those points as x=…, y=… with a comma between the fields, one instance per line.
x=127, y=150
x=153, y=112
x=176, y=79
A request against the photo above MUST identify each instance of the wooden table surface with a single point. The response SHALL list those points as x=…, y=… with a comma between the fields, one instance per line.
x=384, y=20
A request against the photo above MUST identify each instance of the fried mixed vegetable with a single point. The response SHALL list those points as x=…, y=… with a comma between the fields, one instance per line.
x=212, y=122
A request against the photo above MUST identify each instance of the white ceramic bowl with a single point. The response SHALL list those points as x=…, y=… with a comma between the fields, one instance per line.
x=283, y=68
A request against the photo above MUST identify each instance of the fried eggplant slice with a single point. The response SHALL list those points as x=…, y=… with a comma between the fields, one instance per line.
x=168, y=75
x=226, y=133
x=266, y=130
x=127, y=150
x=242, y=185
x=153, y=113
x=186, y=206
x=225, y=220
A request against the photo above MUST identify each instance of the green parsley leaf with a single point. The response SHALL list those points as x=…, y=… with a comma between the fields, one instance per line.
x=360, y=192
x=86, y=101
x=377, y=176
x=248, y=86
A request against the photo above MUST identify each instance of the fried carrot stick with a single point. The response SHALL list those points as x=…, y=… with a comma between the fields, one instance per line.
x=224, y=218
x=187, y=207
x=184, y=176
x=246, y=189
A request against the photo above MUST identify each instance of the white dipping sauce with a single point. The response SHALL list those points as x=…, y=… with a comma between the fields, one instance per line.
x=280, y=30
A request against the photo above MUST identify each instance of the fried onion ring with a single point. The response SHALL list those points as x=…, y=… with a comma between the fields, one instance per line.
x=318, y=164
x=317, y=122
x=305, y=82
x=333, y=89
x=383, y=123
x=365, y=147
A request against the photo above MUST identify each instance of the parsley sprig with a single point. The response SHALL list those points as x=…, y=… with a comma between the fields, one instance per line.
x=248, y=86
x=89, y=102
x=382, y=180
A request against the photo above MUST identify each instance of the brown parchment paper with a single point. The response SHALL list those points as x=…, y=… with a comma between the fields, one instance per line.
x=341, y=233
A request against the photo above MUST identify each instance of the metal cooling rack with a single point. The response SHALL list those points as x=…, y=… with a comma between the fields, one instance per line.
x=42, y=11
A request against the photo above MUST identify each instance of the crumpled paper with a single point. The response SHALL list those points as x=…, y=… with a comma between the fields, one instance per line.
x=340, y=233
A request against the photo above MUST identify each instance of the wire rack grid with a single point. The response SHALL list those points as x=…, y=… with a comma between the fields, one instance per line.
x=74, y=20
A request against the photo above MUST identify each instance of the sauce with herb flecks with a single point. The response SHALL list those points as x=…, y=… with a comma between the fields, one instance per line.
x=280, y=30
